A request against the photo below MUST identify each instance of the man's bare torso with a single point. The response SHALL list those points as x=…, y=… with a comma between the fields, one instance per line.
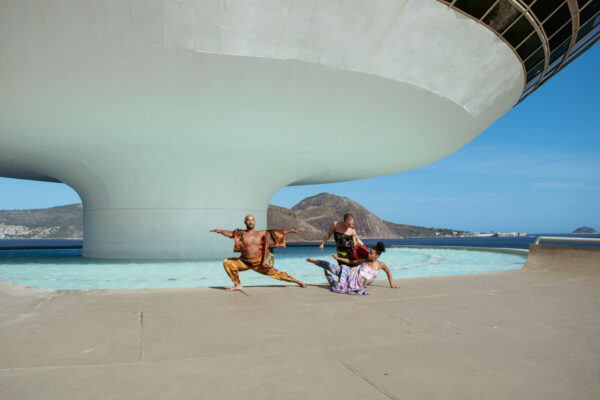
x=251, y=241
x=341, y=228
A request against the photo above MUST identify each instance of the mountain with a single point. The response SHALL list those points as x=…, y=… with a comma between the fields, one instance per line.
x=324, y=208
x=313, y=214
x=283, y=218
x=55, y=222
x=420, y=231
x=585, y=230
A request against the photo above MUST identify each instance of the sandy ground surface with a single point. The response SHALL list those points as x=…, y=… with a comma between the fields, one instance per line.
x=505, y=335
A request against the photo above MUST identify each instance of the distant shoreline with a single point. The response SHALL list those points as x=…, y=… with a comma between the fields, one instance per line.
x=460, y=242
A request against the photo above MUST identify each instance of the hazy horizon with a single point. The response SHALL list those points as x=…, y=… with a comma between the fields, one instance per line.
x=398, y=222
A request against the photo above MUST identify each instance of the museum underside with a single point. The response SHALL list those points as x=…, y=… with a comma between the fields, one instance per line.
x=170, y=118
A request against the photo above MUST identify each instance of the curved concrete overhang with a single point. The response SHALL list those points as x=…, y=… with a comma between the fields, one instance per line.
x=171, y=118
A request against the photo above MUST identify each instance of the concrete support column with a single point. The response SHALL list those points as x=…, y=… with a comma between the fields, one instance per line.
x=160, y=202
x=164, y=233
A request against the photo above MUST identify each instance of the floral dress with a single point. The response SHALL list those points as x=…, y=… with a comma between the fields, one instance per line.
x=349, y=280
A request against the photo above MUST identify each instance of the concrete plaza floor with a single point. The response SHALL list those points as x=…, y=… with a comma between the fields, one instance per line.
x=507, y=335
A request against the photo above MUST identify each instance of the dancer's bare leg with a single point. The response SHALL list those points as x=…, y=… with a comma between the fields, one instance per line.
x=279, y=275
x=326, y=271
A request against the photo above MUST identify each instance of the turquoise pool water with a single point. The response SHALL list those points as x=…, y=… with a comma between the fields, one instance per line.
x=66, y=269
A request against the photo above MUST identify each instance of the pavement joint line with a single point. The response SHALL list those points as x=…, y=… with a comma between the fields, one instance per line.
x=372, y=300
x=141, y=333
x=441, y=337
x=364, y=378
x=146, y=362
x=32, y=312
x=490, y=291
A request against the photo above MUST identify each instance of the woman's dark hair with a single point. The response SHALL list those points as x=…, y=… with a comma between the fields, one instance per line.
x=379, y=247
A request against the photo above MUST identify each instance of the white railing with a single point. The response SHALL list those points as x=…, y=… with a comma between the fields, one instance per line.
x=566, y=239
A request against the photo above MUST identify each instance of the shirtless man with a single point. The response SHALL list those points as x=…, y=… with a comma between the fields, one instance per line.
x=344, y=235
x=254, y=246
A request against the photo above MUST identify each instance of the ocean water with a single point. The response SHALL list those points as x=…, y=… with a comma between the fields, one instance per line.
x=67, y=269
x=488, y=242
x=522, y=242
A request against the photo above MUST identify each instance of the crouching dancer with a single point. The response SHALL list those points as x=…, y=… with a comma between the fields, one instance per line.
x=353, y=276
x=256, y=255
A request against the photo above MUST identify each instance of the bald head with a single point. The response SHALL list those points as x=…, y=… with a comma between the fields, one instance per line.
x=250, y=221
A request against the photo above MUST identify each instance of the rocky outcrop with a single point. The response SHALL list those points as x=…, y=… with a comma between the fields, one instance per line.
x=321, y=210
x=284, y=218
x=585, y=230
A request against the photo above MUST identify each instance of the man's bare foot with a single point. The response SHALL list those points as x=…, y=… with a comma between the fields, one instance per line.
x=311, y=260
x=236, y=287
x=300, y=283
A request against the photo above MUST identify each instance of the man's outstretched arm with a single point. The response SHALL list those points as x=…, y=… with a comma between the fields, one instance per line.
x=229, y=234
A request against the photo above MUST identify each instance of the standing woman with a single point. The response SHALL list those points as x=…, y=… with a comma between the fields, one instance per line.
x=344, y=235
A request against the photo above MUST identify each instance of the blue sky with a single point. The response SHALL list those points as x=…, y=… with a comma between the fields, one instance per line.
x=536, y=169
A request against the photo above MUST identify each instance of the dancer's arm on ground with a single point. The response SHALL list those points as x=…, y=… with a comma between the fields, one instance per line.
x=229, y=234
x=389, y=275
x=328, y=235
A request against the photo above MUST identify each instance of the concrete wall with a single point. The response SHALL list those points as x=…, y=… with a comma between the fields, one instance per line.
x=173, y=117
x=544, y=257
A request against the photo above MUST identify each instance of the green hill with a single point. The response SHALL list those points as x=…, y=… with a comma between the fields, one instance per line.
x=419, y=231
x=55, y=222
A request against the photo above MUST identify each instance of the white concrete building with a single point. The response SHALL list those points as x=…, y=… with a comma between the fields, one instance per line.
x=173, y=117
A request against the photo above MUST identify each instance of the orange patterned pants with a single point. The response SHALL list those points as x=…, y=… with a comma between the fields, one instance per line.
x=234, y=265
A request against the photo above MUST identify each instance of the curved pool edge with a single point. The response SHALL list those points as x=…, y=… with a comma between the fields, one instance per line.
x=518, y=252
x=18, y=289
